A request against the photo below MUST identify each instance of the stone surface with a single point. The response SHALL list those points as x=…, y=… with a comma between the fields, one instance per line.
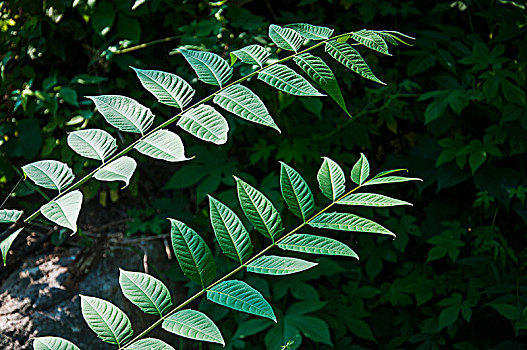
x=41, y=297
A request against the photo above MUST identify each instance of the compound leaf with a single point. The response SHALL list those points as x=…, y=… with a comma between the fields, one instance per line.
x=372, y=40
x=350, y=58
x=92, y=143
x=164, y=145
x=285, y=38
x=10, y=215
x=296, y=192
x=285, y=79
x=331, y=179
x=145, y=291
x=252, y=54
x=210, y=68
x=278, y=265
x=361, y=170
x=49, y=174
x=193, y=254
x=371, y=200
x=194, y=325
x=259, y=210
x=109, y=323
x=124, y=113
x=244, y=103
x=312, y=244
x=149, y=344
x=310, y=31
x=233, y=238
x=168, y=88
x=5, y=245
x=320, y=72
x=348, y=222
x=53, y=343
x=205, y=123
x=240, y=296
x=120, y=169
x=65, y=210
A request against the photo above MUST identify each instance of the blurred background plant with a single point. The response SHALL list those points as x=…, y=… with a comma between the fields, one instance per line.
x=454, y=112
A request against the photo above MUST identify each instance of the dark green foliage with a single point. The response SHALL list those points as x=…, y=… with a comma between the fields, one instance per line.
x=453, y=111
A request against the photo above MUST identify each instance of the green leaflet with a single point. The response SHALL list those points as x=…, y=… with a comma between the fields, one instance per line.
x=205, y=123
x=259, y=210
x=310, y=31
x=149, y=344
x=278, y=265
x=92, y=143
x=319, y=71
x=371, y=200
x=210, y=68
x=285, y=38
x=120, y=169
x=390, y=179
x=194, y=325
x=387, y=172
x=10, y=215
x=232, y=236
x=164, y=145
x=193, y=254
x=285, y=79
x=244, y=103
x=49, y=174
x=53, y=343
x=5, y=245
x=371, y=39
x=296, y=192
x=348, y=222
x=145, y=291
x=331, y=179
x=350, y=58
x=168, y=88
x=361, y=170
x=240, y=296
x=252, y=54
x=106, y=320
x=124, y=113
x=312, y=244
x=65, y=210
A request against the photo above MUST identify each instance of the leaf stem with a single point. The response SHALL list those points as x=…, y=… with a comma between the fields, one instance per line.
x=172, y=120
x=236, y=270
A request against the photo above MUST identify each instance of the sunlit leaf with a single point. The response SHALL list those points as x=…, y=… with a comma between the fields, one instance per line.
x=240, y=296
x=193, y=254
x=168, y=88
x=278, y=265
x=361, y=170
x=296, y=192
x=5, y=245
x=285, y=38
x=331, y=179
x=285, y=79
x=193, y=324
x=49, y=174
x=106, y=320
x=149, y=344
x=390, y=179
x=348, y=222
x=53, y=343
x=244, y=103
x=372, y=40
x=164, y=145
x=120, y=169
x=124, y=113
x=65, y=210
x=312, y=244
x=210, y=68
x=205, y=123
x=252, y=54
x=92, y=143
x=310, y=31
x=232, y=236
x=371, y=200
x=10, y=215
x=145, y=291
